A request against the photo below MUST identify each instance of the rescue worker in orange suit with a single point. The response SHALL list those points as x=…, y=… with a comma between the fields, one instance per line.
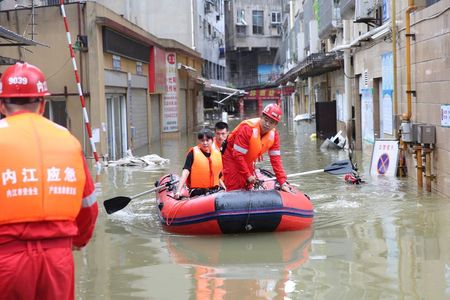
x=47, y=196
x=202, y=168
x=220, y=135
x=247, y=143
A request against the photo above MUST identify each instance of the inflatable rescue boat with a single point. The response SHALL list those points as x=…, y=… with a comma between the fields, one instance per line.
x=263, y=210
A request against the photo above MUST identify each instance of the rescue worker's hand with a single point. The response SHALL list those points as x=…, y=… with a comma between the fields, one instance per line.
x=251, y=179
x=177, y=195
x=286, y=187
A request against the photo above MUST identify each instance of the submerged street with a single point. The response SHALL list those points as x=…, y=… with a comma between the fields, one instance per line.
x=384, y=239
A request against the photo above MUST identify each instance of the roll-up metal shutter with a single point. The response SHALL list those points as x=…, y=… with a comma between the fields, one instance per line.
x=139, y=118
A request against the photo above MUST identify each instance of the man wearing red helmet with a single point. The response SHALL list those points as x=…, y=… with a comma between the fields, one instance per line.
x=47, y=196
x=247, y=143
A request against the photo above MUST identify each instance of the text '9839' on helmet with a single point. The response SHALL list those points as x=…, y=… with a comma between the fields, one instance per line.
x=23, y=80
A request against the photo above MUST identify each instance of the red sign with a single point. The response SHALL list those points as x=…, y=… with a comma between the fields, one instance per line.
x=263, y=94
x=157, y=70
x=171, y=58
x=288, y=90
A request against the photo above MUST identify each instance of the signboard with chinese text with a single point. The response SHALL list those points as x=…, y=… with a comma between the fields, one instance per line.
x=157, y=71
x=384, y=158
x=263, y=94
x=367, y=115
x=445, y=115
x=170, y=101
x=387, y=85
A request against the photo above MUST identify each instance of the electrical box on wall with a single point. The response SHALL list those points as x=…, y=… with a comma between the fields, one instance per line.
x=415, y=132
x=427, y=134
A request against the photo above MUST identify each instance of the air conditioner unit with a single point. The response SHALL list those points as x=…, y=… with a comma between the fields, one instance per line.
x=208, y=7
x=365, y=10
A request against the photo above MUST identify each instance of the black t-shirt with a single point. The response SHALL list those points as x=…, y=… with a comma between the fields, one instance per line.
x=190, y=160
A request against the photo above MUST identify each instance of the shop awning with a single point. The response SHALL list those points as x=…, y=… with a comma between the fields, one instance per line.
x=211, y=87
x=14, y=38
x=313, y=65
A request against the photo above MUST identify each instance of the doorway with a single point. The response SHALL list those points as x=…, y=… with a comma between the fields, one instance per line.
x=117, y=126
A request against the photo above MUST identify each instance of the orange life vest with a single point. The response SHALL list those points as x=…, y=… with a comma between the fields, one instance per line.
x=257, y=145
x=205, y=171
x=41, y=171
x=216, y=145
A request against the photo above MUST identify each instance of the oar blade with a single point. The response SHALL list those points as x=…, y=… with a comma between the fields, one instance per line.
x=339, y=167
x=115, y=204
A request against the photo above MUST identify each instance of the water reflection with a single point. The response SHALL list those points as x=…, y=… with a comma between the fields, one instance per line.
x=241, y=266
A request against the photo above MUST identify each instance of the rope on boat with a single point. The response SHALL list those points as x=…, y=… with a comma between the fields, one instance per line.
x=177, y=206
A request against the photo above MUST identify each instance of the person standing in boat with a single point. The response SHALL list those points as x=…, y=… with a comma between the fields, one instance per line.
x=247, y=143
x=47, y=196
x=203, y=167
x=220, y=135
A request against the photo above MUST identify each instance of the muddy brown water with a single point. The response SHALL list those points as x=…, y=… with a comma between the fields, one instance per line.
x=385, y=239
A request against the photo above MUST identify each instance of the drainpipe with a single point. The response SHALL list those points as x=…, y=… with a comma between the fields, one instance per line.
x=347, y=83
x=310, y=94
x=291, y=15
x=406, y=117
x=394, y=55
x=411, y=8
x=192, y=25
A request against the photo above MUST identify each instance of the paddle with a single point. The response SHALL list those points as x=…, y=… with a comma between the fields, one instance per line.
x=117, y=203
x=336, y=168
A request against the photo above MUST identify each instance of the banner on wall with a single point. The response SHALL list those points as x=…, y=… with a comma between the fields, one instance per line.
x=387, y=86
x=170, y=101
x=367, y=115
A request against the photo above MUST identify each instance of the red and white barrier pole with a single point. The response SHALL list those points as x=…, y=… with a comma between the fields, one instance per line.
x=77, y=78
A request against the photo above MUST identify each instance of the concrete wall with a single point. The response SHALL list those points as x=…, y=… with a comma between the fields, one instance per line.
x=430, y=66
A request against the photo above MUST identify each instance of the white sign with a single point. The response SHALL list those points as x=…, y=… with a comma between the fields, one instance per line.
x=387, y=112
x=384, y=158
x=367, y=115
x=445, y=115
x=96, y=135
x=170, y=104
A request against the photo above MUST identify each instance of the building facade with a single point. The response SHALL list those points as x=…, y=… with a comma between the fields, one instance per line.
x=380, y=69
x=253, y=34
x=135, y=88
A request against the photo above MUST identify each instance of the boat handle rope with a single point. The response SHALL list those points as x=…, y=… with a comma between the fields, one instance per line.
x=177, y=206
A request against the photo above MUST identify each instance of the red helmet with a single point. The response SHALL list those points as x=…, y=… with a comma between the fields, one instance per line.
x=23, y=80
x=273, y=111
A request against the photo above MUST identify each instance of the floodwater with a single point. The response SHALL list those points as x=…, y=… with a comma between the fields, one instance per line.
x=384, y=239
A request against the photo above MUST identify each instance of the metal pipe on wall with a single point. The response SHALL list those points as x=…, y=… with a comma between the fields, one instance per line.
x=411, y=8
x=394, y=55
x=418, y=151
x=428, y=176
x=347, y=83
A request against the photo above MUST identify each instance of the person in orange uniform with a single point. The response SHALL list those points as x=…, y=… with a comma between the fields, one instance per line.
x=47, y=196
x=202, y=168
x=247, y=143
x=220, y=135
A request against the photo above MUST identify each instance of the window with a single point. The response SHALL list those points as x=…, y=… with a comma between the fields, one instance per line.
x=241, y=30
x=275, y=17
x=139, y=70
x=258, y=22
x=116, y=62
x=240, y=17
